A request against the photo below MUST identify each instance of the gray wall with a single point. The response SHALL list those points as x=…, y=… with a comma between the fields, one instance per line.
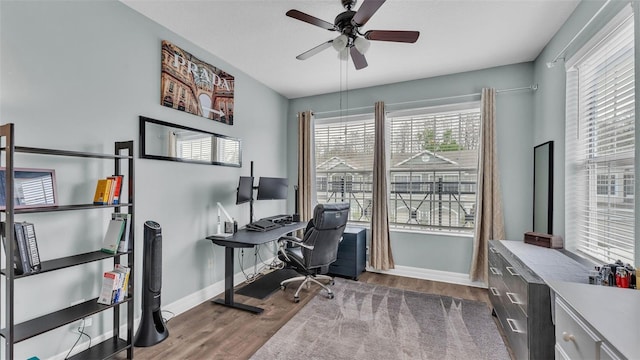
x=515, y=124
x=549, y=123
x=76, y=75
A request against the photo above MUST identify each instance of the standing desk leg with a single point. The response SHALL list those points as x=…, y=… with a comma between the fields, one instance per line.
x=228, y=286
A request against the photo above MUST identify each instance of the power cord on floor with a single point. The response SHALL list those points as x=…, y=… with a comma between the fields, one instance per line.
x=166, y=320
x=81, y=332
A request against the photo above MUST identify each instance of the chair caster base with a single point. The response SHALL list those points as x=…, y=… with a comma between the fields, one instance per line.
x=330, y=296
x=296, y=299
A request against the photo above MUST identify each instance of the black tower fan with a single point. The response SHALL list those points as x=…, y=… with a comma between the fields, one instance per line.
x=152, y=329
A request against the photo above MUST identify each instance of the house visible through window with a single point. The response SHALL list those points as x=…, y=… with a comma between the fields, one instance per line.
x=432, y=166
x=600, y=144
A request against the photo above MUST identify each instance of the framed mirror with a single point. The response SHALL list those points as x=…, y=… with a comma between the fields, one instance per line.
x=161, y=140
x=543, y=188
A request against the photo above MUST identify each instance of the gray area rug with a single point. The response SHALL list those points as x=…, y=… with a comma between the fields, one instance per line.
x=367, y=321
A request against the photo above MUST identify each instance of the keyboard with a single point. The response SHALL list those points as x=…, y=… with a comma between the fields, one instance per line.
x=279, y=219
x=262, y=225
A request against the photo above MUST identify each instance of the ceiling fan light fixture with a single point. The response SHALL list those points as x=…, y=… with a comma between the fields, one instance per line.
x=362, y=44
x=340, y=42
x=343, y=54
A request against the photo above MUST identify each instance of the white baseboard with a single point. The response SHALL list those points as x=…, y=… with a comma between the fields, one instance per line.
x=433, y=275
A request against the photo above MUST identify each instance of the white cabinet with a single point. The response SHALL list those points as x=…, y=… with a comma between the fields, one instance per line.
x=596, y=322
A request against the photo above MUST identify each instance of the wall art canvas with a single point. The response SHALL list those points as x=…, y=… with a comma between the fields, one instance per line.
x=191, y=85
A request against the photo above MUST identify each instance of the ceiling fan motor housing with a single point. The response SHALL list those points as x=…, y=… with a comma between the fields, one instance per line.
x=343, y=23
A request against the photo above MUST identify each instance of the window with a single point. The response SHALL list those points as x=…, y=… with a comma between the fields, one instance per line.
x=600, y=144
x=344, y=163
x=432, y=166
x=433, y=162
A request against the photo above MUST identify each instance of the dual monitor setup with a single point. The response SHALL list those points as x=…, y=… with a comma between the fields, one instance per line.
x=269, y=188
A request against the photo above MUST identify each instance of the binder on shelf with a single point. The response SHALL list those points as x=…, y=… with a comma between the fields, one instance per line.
x=112, y=237
x=31, y=246
x=124, y=240
x=26, y=259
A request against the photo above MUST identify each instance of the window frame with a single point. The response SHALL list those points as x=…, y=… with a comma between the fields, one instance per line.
x=464, y=217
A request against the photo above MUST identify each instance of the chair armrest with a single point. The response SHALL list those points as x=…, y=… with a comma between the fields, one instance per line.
x=293, y=241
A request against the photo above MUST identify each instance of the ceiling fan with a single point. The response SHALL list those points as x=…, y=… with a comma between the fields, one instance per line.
x=348, y=24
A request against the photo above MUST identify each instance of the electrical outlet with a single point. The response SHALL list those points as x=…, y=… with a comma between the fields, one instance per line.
x=78, y=324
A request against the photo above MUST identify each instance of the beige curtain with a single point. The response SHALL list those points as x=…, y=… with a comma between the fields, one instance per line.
x=381, y=256
x=305, y=165
x=489, y=219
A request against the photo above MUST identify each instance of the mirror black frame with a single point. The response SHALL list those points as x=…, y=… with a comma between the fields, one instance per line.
x=143, y=154
x=543, y=180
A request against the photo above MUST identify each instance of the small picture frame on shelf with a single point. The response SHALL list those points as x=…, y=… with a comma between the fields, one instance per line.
x=32, y=188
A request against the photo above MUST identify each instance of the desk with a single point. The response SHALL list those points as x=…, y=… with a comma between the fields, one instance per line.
x=246, y=239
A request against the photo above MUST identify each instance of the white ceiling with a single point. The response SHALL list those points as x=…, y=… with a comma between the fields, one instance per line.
x=456, y=36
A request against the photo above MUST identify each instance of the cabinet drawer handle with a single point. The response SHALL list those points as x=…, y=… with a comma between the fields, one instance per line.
x=513, y=298
x=494, y=271
x=512, y=271
x=493, y=250
x=568, y=337
x=512, y=325
x=494, y=291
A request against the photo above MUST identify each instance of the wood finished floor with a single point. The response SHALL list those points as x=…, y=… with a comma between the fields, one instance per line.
x=211, y=331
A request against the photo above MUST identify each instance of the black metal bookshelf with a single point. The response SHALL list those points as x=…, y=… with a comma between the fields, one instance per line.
x=16, y=332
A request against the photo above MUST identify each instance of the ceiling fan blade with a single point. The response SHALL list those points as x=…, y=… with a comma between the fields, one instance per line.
x=309, y=53
x=299, y=15
x=392, y=35
x=358, y=59
x=366, y=11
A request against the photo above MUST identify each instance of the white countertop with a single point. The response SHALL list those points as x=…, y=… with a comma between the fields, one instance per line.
x=611, y=311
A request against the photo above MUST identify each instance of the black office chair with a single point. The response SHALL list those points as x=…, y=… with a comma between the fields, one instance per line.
x=312, y=255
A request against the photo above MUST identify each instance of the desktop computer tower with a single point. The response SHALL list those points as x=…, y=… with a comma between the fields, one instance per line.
x=152, y=329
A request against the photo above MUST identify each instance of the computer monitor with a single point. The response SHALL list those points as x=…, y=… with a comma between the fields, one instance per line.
x=245, y=189
x=270, y=188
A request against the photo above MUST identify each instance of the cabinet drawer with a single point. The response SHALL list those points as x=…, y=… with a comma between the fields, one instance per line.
x=516, y=287
x=515, y=329
x=576, y=340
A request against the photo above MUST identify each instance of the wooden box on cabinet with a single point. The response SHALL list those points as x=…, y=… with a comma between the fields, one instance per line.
x=545, y=240
x=351, y=259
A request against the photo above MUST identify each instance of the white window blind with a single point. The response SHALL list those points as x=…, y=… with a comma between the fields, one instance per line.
x=600, y=146
x=434, y=156
x=432, y=164
x=344, y=163
x=194, y=147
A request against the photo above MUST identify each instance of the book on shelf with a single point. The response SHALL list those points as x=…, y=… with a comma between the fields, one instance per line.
x=101, y=196
x=26, y=257
x=116, y=189
x=124, y=240
x=113, y=235
x=124, y=271
x=114, y=285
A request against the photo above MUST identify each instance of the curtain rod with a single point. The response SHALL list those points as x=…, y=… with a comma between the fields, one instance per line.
x=561, y=53
x=533, y=87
